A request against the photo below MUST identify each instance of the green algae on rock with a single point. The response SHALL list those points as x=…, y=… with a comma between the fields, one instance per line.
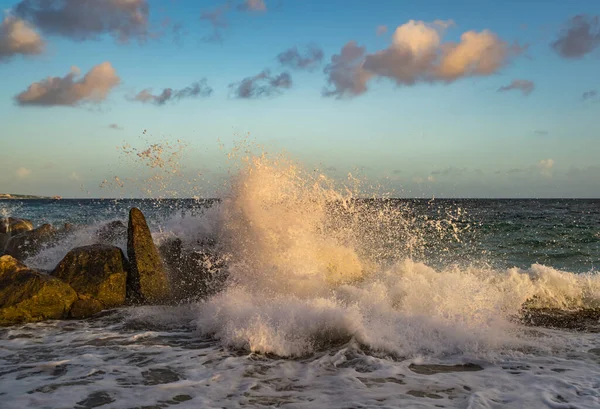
x=147, y=281
x=29, y=296
x=97, y=272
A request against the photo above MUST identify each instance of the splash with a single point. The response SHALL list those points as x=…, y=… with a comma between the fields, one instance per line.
x=313, y=264
x=159, y=168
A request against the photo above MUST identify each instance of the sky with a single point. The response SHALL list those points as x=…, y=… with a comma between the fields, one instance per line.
x=464, y=98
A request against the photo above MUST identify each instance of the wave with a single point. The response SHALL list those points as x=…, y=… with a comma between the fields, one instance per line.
x=311, y=264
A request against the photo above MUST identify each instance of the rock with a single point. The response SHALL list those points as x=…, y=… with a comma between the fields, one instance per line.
x=31, y=242
x=13, y=226
x=147, y=280
x=580, y=319
x=432, y=369
x=112, y=232
x=4, y=238
x=29, y=296
x=194, y=275
x=85, y=307
x=98, y=273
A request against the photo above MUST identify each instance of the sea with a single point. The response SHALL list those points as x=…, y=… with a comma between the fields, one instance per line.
x=331, y=300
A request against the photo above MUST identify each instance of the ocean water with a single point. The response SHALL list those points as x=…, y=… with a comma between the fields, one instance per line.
x=330, y=302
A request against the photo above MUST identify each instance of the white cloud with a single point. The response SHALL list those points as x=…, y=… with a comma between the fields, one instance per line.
x=74, y=176
x=70, y=91
x=22, y=172
x=418, y=54
x=18, y=37
x=545, y=166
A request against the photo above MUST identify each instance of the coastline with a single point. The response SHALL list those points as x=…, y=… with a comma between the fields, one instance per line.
x=10, y=196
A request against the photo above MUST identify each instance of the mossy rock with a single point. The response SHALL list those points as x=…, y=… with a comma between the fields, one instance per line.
x=28, y=244
x=29, y=296
x=97, y=272
x=147, y=281
x=85, y=307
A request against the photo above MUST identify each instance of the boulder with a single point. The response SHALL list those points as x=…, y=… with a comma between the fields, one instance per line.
x=13, y=226
x=85, y=307
x=29, y=243
x=98, y=273
x=112, y=232
x=194, y=274
x=29, y=296
x=147, y=281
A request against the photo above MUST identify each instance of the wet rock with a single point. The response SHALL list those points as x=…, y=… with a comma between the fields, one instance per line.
x=29, y=243
x=194, y=274
x=112, y=232
x=158, y=376
x=94, y=400
x=4, y=238
x=432, y=369
x=29, y=296
x=14, y=226
x=98, y=273
x=11, y=226
x=581, y=319
x=85, y=307
x=147, y=281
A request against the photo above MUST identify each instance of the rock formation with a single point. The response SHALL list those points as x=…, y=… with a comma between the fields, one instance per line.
x=29, y=296
x=147, y=281
x=98, y=273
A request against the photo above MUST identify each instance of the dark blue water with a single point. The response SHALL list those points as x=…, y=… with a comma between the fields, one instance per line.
x=562, y=233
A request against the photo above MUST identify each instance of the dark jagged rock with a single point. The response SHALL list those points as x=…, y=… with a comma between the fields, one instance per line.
x=31, y=242
x=4, y=238
x=98, y=273
x=432, y=369
x=194, y=274
x=112, y=232
x=13, y=226
x=147, y=281
x=29, y=296
x=581, y=319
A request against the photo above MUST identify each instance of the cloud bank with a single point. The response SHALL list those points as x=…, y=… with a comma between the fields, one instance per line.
x=261, y=85
x=17, y=37
x=22, y=173
x=580, y=36
x=195, y=90
x=525, y=86
x=68, y=91
x=417, y=54
x=589, y=94
x=88, y=19
x=309, y=60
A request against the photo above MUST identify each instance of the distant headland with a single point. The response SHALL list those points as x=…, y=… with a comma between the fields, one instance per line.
x=9, y=196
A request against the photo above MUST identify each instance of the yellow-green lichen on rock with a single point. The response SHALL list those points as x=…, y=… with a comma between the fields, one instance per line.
x=29, y=296
x=147, y=281
x=97, y=272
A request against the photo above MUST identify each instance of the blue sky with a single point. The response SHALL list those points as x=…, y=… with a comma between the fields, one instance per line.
x=434, y=137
